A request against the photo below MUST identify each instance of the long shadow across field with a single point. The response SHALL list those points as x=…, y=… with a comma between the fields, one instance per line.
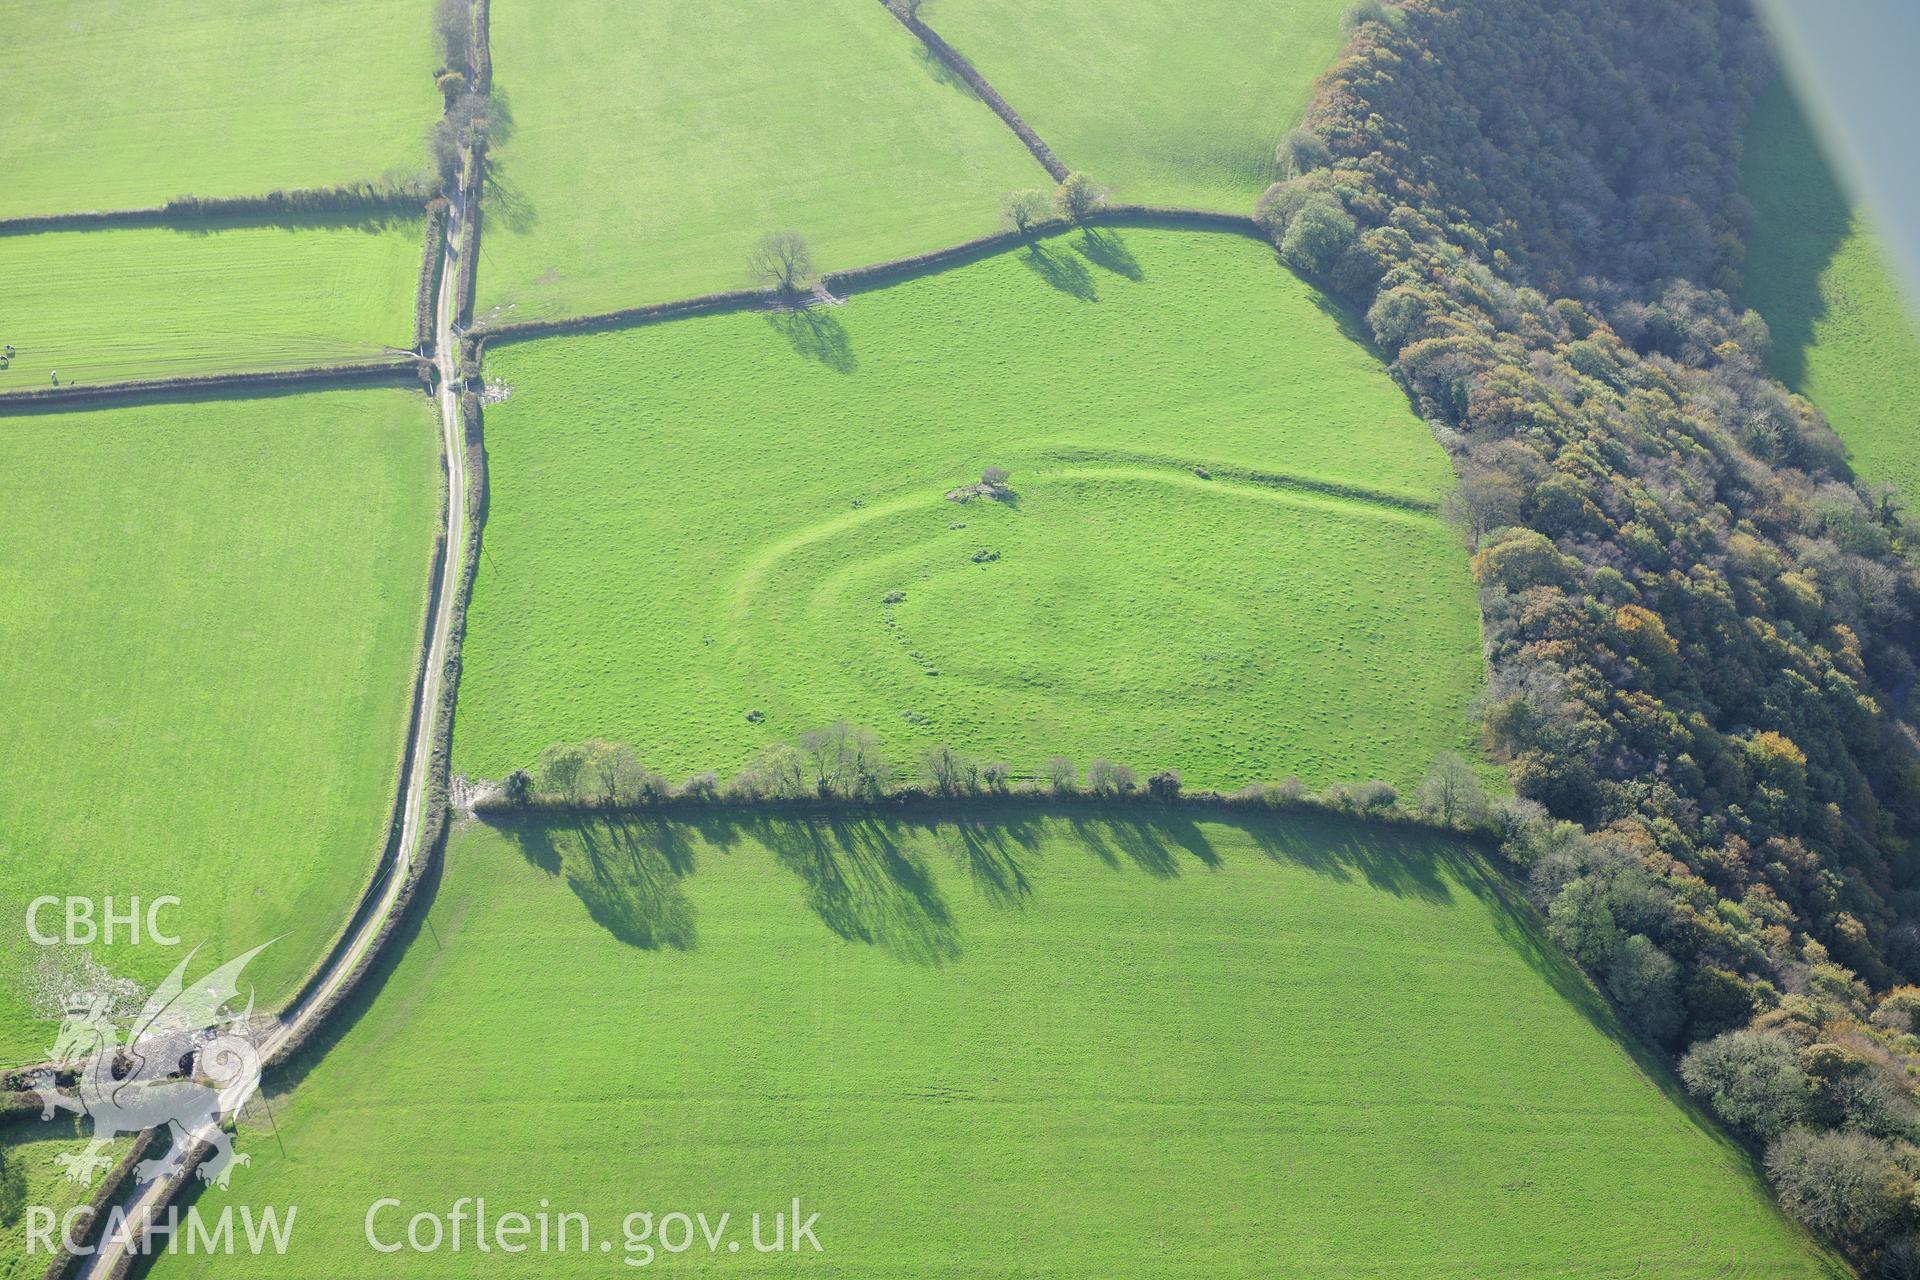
x=869, y=877
x=1803, y=220
x=872, y=878
x=1064, y=271
x=817, y=335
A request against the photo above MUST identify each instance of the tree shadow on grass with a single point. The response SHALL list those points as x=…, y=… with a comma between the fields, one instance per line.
x=997, y=854
x=368, y=221
x=1152, y=842
x=1106, y=249
x=936, y=66
x=1795, y=236
x=504, y=204
x=1063, y=271
x=817, y=335
x=1352, y=325
x=864, y=882
x=500, y=121
x=626, y=870
x=1393, y=860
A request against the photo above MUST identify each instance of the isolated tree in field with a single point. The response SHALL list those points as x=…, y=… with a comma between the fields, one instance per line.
x=1023, y=209
x=563, y=771
x=782, y=261
x=517, y=788
x=995, y=477
x=1452, y=792
x=1078, y=196
x=1062, y=775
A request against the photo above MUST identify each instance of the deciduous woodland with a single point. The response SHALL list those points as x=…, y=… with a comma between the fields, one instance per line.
x=1697, y=620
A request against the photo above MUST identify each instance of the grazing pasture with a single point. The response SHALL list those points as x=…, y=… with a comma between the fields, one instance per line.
x=118, y=104
x=211, y=613
x=28, y=1154
x=1181, y=103
x=719, y=532
x=1842, y=333
x=1077, y=1045
x=140, y=302
x=648, y=147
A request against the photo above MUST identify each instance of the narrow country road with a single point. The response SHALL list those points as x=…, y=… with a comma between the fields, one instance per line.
x=147, y=1200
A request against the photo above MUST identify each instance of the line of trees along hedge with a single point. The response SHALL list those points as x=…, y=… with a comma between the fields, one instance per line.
x=1698, y=625
x=878, y=274
x=846, y=764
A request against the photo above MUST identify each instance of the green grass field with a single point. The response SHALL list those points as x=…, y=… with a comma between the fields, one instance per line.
x=696, y=521
x=1842, y=333
x=1181, y=103
x=104, y=306
x=28, y=1150
x=651, y=146
x=211, y=613
x=118, y=104
x=1080, y=1046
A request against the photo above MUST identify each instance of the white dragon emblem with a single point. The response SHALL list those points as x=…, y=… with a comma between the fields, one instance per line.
x=186, y=1064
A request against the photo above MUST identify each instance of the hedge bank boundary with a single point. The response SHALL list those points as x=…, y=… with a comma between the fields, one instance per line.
x=628, y=317
x=877, y=274
x=396, y=812
x=402, y=371
x=482, y=47
x=406, y=200
x=106, y=1195
x=428, y=290
x=471, y=185
x=920, y=800
x=958, y=64
x=433, y=830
